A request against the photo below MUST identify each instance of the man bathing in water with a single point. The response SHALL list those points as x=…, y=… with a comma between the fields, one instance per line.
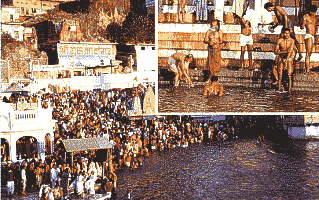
x=179, y=63
x=285, y=50
x=309, y=21
x=246, y=39
x=282, y=18
x=214, y=88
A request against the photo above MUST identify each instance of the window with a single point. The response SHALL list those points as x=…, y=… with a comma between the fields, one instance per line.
x=142, y=48
x=34, y=10
x=11, y=18
x=153, y=48
x=26, y=11
x=22, y=9
x=44, y=4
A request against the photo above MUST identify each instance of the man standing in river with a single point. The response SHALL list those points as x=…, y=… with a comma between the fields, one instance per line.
x=309, y=21
x=282, y=19
x=285, y=50
x=214, y=39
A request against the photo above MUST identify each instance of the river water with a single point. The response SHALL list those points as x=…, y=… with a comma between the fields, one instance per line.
x=235, y=99
x=231, y=170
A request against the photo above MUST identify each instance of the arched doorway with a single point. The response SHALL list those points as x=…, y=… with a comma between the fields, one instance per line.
x=5, y=155
x=27, y=147
x=47, y=142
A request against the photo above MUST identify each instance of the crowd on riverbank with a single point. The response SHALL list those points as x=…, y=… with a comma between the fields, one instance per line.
x=101, y=114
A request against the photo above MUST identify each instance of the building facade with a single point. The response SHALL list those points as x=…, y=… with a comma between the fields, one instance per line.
x=25, y=125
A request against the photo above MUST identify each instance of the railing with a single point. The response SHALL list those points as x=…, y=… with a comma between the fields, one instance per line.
x=25, y=115
x=23, y=120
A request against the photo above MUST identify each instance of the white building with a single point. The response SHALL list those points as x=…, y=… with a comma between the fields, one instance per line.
x=28, y=122
x=302, y=126
x=146, y=57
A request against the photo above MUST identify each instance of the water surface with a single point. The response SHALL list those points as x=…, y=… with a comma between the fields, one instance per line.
x=230, y=170
x=235, y=99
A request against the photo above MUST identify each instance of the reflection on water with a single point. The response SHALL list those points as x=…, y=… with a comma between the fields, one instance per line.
x=235, y=99
x=236, y=169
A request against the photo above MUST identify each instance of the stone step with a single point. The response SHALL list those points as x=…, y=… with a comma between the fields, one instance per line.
x=227, y=37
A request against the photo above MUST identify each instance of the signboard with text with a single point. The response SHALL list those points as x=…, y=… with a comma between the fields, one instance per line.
x=86, y=54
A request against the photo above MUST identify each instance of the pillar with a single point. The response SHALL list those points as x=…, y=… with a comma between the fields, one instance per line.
x=41, y=146
x=13, y=148
x=219, y=10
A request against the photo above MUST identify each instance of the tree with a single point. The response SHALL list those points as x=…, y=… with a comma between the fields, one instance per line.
x=114, y=32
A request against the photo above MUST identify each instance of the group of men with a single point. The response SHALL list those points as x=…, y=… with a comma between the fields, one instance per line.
x=285, y=50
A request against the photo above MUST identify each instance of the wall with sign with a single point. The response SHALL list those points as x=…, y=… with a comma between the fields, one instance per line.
x=80, y=55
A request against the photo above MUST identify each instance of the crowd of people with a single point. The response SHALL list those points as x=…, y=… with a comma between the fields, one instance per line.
x=99, y=114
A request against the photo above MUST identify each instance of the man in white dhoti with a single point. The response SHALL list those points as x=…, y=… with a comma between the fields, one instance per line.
x=10, y=182
x=53, y=175
x=91, y=183
x=79, y=184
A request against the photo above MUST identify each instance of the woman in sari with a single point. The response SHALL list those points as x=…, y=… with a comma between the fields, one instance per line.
x=214, y=39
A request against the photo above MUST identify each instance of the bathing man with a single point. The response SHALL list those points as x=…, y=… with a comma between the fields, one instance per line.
x=285, y=51
x=309, y=20
x=179, y=63
x=282, y=19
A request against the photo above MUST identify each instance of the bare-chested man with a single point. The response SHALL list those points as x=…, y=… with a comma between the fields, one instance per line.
x=246, y=39
x=214, y=88
x=282, y=19
x=179, y=63
x=309, y=20
x=285, y=50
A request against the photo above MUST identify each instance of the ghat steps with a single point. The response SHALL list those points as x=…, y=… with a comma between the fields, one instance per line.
x=188, y=38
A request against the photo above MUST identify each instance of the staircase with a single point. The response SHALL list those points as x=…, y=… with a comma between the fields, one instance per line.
x=188, y=38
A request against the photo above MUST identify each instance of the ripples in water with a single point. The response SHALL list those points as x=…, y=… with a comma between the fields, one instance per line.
x=235, y=169
x=235, y=99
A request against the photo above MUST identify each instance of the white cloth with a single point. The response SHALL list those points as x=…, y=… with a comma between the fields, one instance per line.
x=53, y=176
x=238, y=7
x=310, y=36
x=244, y=40
x=79, y=186
x=50, y=195
x=92, y=167
x=10, y=186
x=44, y=189
x=23, y=175
x=90, y=184
x=252, y=16
x=99, y=169
x=172, y=65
